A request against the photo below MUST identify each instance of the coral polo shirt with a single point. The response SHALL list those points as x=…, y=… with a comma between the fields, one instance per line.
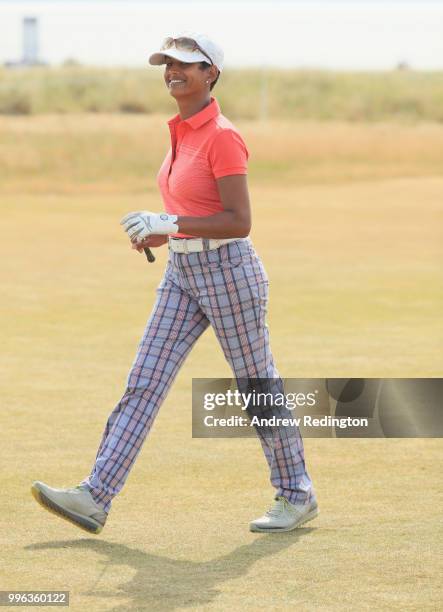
x=204, y=147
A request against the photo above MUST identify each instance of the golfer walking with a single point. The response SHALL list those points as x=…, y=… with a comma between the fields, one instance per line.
x=213, y=277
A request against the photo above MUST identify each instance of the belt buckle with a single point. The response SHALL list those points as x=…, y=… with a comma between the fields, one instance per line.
x=185, y=246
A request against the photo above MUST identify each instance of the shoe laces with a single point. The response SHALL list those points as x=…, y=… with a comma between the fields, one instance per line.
x=74, y=489
x=278, y=508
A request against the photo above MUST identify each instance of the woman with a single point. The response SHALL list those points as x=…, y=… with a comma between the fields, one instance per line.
x=213, y=277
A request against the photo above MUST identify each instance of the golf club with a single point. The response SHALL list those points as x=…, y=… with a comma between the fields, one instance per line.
x=149, y=255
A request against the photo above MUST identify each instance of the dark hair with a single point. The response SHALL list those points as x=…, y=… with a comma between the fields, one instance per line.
x=204, y=66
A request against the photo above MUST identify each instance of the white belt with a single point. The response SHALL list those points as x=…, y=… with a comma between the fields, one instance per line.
x=197, y=245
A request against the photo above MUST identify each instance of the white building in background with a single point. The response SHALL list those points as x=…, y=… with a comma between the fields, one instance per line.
x=30, y=43
x=30, y=40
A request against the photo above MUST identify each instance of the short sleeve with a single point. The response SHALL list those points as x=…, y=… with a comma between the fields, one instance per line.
x=228, y=154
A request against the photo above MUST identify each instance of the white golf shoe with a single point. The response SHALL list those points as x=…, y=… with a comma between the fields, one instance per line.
x=75, y=505
x=284, y=516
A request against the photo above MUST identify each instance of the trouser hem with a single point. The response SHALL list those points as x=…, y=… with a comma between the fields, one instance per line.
x=102, y=499
x=296, y=497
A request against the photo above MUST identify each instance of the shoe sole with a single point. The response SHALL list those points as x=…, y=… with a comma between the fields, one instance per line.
x=308, y=517
x=76, y=519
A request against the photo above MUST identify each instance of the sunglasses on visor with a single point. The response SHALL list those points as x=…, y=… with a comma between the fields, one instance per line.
x=183, y=44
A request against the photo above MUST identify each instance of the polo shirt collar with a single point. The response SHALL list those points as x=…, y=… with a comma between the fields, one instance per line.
x=206, y=114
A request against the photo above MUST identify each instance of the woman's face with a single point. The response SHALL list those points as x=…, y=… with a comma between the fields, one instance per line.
x=184, y=79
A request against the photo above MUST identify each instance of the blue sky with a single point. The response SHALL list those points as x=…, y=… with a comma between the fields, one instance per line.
x=335, y=34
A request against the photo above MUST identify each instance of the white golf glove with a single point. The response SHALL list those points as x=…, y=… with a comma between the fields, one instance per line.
x=138, y=225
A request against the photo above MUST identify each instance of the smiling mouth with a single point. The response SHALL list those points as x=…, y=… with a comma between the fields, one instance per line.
x=176, y=83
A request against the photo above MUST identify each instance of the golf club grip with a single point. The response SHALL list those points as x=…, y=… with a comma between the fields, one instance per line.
x=149, y=255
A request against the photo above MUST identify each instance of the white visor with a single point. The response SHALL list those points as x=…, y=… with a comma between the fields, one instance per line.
x=156, y=59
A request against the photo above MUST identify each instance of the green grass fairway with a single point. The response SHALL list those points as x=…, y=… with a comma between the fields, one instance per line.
x=353, y=251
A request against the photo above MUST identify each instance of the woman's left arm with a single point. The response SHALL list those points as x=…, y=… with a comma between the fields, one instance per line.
x=233, y=222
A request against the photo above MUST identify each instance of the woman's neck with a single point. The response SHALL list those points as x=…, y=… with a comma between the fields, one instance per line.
x=187, y=108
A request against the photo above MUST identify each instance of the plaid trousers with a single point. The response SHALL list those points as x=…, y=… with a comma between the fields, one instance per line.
x=228, y=289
